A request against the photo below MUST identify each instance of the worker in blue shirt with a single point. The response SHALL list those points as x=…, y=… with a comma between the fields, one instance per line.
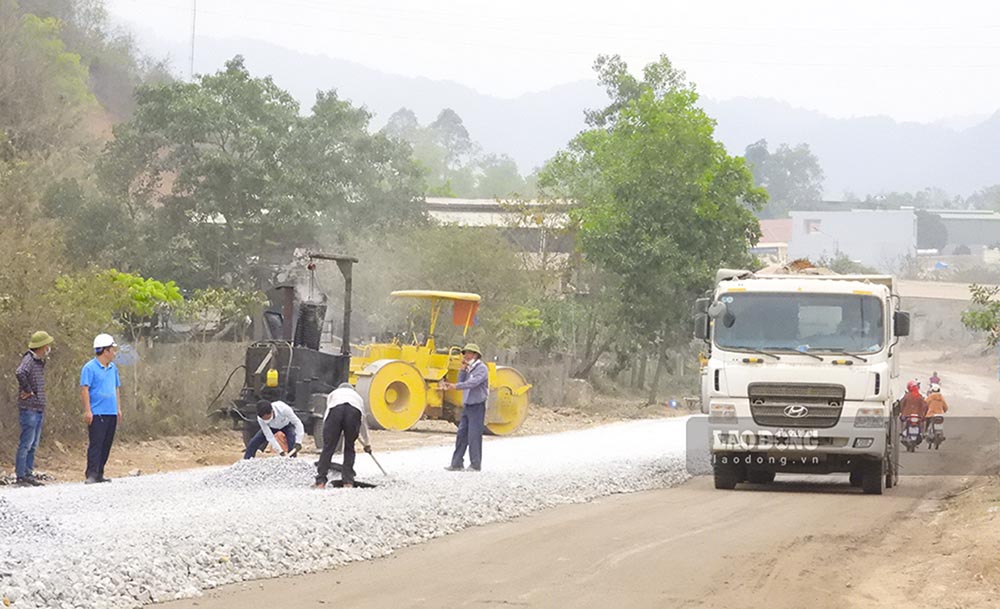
x=474, y=381
x=100, y=389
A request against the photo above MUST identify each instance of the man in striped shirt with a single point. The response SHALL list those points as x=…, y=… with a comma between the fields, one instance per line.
x=30, y=375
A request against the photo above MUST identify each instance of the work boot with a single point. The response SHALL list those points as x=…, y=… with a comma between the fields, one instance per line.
x=22, y=482
x=319, y=485
x=452, y=468
x=347, y=485
x=472, y=469
x=103, y=479
x=33, y=481
x=91, y=481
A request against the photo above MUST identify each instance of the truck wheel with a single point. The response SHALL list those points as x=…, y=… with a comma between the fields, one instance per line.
x=726, y=476
x=856, y=478
x=872, y=477
x=757, y=476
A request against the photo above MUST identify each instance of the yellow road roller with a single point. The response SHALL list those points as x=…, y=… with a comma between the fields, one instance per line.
x=400, y=381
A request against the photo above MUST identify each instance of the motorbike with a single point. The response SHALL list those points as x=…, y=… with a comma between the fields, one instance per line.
x=910, y=432
x=935, y=432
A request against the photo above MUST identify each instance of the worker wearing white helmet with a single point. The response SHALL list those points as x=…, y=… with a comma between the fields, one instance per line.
x=936, y=404
x=100, y=390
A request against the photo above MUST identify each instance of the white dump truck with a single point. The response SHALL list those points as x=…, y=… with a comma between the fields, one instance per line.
x=802, y=376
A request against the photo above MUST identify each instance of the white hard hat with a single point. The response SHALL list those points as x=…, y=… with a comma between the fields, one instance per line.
x=935, y=387
x=104, y=340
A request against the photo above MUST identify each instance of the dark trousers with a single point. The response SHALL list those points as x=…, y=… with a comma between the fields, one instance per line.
x=341, y=419
x=470, y=435
x=259, y=441
x=102, y=435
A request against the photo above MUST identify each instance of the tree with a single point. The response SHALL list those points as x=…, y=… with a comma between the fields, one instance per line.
x=792, y=176
x=402, y=125
x=931, y=231
x=355, y=180
x=452, y=162
x=226, y=307
x=499, y=178
x=985, y=198
x=223, y=173
x=659, y=202
x=138, y=299
x=450, y=133
x=43, y=86
x=984, y=316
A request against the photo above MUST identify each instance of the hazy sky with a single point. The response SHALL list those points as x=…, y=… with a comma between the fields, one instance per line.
x=911, y=60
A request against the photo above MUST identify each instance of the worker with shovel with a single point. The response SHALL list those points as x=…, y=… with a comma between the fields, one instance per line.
x=345, y=416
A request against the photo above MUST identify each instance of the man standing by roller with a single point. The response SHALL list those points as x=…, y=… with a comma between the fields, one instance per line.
x=474, y=381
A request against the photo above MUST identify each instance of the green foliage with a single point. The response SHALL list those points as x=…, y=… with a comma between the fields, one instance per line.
x=984, y=316
x=843, y=265
x=142, y=296
x=43, y=87
x=113, y=63
x=223, y=306
x=218, y=174
x=792, y=177
x=659, y=202
x=452, y=163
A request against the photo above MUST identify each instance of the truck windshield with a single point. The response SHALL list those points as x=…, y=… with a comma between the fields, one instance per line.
x=792, y=321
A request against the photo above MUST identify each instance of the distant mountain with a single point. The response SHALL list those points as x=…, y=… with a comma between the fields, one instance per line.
x=859, y=155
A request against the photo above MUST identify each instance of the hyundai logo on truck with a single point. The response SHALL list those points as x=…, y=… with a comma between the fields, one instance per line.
x=796, y=411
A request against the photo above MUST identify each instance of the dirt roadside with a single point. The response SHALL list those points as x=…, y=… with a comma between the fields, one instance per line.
x=949, y=542
x=65, y=463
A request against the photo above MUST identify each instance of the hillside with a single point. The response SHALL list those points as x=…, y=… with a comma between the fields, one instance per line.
x=865, y=155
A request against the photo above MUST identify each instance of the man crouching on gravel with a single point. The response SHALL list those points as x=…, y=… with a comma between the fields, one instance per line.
x=272, y=417
x=345, y=416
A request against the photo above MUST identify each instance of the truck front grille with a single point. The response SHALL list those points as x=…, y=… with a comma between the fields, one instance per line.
x=796, y=405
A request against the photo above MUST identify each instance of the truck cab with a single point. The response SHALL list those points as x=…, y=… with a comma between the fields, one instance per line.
x=802, y=377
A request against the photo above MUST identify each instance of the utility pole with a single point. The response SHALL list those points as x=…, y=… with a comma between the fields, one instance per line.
x=194, y=22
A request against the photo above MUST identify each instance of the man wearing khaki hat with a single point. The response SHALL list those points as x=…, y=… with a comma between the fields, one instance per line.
x=474, y=381
x=30, y=375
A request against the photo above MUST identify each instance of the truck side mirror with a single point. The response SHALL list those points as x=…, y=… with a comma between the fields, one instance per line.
x=701, y=326
x=901, y=323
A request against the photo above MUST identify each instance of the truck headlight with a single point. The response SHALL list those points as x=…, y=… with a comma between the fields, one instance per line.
x=871, y=418
x=722, y=413
x=863, y=442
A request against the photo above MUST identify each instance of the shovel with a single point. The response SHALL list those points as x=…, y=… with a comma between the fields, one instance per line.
x=378, y=464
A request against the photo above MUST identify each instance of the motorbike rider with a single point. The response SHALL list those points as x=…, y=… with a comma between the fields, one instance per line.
x=935, y=379
x=912, y=403
x=936, y=404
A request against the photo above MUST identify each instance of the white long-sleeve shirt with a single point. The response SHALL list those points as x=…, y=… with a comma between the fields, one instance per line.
x=282, y=415
x=349, y=396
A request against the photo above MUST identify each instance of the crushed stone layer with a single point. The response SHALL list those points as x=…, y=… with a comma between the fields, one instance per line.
x=142, y=540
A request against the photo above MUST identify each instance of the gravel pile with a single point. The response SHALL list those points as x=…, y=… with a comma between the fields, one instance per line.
x=13, y=520
x=155, y=538
x=273, y=472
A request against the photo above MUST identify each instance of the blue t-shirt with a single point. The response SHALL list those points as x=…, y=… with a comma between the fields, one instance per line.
x=103, y=383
